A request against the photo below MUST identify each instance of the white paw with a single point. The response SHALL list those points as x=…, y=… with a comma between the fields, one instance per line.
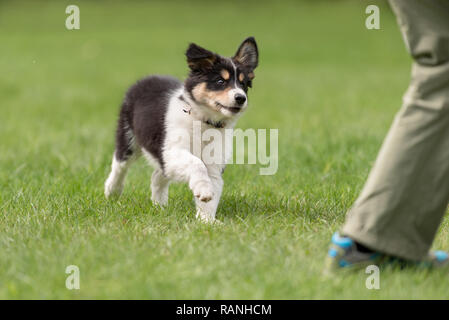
x=160, y=200
x=205, y=218
x=203, y=191
x=217, y=222
x=112, y=190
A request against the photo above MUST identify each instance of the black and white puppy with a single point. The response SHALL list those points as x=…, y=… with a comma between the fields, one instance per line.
x=157, y=108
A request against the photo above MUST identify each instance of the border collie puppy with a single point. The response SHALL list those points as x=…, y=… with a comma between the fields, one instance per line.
x=157, y=120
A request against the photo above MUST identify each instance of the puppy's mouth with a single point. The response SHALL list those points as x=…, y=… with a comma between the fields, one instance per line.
x=232, y=109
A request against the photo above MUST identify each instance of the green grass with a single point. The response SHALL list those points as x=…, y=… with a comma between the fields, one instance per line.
x=329, y=85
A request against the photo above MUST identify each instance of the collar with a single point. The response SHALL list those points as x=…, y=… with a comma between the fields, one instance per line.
x=215, y=124
x=188, y=109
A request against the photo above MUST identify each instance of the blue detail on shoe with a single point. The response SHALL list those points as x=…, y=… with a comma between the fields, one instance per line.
x=441, y=256
x=332, y=253
x=343, y=242
x=343, y=263
x=343, y=253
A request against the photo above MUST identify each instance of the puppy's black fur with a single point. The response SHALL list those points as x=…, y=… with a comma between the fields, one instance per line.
x=143, y=112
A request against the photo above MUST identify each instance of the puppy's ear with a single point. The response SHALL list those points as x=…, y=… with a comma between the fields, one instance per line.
x=248, y=54
x=199, y=58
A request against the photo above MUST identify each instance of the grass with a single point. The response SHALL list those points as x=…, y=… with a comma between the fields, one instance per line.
x=327, y=83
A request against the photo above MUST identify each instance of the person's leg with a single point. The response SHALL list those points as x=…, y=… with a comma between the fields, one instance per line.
x=407, y=192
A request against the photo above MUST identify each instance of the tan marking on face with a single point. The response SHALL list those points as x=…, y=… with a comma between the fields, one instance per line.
x=199, y=92
x=209, y=98
x=251, y=75
x=225, y=74
x=241, y=77
x=221, y=96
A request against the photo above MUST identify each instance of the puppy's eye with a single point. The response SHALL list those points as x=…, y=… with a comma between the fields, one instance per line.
x=220, y=81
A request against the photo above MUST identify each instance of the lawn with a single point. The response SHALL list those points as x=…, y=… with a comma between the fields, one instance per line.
x=327, y=83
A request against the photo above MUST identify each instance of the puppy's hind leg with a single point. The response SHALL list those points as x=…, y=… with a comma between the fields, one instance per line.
x=116, y=180
x=159, y=187
x=124, y=155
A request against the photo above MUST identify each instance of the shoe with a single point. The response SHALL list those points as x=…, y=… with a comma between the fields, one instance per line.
x=343, y=253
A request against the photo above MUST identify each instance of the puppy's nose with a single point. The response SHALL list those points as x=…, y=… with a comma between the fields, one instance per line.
x=240, y=98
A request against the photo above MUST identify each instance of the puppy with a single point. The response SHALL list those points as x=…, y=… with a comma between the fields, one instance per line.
x=158, y=116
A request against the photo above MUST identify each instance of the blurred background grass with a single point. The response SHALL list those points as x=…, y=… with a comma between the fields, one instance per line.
x=327, y=83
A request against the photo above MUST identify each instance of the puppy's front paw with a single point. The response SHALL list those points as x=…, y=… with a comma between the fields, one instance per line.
x=203, y=191
x=207, y=217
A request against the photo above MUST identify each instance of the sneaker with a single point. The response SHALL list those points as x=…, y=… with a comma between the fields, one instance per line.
x=344, y=253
